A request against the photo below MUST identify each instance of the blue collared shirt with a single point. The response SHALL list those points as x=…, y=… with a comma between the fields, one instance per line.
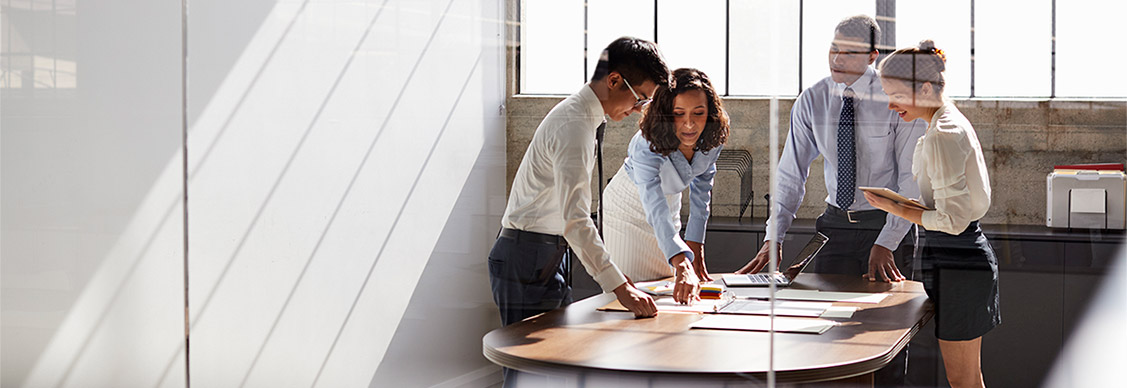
x=884, y=151
x=656, y=176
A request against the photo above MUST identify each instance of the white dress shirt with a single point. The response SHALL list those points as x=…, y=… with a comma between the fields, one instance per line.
x=883, y=149
x=951, y=172
x=551, y=192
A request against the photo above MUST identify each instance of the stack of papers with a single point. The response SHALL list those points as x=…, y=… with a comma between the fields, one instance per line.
x=667, y=304
x=812, y=295
x=657, y=287
x=762, y=307
x=762, y=323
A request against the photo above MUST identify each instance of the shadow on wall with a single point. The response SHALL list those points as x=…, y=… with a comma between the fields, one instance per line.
x=452, y=307
x=302, y=246
x=323, y=169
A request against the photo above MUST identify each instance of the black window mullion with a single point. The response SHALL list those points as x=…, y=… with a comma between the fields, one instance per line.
x=727, y=47
x=972, y=48
x=1053, y=66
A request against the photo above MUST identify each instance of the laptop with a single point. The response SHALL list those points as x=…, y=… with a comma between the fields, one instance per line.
x=782, y=279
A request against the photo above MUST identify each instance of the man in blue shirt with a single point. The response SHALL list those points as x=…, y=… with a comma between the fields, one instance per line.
x=845, y=118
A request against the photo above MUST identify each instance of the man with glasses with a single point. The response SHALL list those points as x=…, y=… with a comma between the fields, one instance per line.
x=549, y=204
x=845, y=118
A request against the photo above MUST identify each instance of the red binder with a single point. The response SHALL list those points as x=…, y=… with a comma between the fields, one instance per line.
x=1091, y=167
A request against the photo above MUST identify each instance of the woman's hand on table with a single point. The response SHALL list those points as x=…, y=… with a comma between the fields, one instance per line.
x=686, y=284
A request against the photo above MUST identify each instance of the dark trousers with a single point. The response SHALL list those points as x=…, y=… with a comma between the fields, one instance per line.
x=847, y=252
x=528, y=278
x=849, y=245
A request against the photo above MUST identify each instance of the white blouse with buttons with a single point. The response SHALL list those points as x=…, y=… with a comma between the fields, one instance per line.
x=951, y=171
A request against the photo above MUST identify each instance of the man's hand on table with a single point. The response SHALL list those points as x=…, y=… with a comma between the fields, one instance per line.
x=760, y=261
x=638, y=302
x=882, y=266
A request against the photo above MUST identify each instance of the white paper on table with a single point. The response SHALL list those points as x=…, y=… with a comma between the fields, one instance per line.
x=839, y=312
x=762, y=307
x=793, y=294
x=763, y=323
x=700, y=306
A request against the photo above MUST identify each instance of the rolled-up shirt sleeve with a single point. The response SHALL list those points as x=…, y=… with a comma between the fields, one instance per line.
x=700, y=199
x=647, y=166
x=573, y=151
x=947, y=153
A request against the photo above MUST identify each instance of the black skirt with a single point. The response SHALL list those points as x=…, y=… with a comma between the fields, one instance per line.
x=960, y=275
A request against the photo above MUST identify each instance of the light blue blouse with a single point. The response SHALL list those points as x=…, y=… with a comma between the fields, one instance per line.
x=657, y=176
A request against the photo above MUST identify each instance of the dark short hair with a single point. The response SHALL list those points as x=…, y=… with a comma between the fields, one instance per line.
x=657, y=119
x=635, y=59
x=863, y=27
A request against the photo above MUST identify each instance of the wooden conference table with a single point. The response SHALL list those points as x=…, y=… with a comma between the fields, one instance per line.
x=577, y=342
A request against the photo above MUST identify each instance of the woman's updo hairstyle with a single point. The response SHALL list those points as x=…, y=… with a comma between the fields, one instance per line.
x=657, y=119
x=916, y=65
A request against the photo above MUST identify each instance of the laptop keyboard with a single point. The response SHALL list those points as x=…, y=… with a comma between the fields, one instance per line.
x=765, y=279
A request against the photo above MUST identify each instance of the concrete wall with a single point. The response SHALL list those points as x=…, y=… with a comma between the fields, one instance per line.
x=1021, y=139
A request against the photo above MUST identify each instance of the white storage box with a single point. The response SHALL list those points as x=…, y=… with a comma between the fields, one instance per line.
x=1086, y=199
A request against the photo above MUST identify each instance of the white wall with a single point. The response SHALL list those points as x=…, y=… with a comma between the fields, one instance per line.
x=345, y=179
x=92, y=217
x=324, y=170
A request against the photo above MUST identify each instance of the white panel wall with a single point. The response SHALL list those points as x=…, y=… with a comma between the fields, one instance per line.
x=346, y=178
x=92, y=216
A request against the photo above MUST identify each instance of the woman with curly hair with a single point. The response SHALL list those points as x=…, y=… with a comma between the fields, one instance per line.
x=682, y=132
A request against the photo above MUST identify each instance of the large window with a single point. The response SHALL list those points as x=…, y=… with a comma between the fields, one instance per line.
x=1000, y=48
x=1090, y=58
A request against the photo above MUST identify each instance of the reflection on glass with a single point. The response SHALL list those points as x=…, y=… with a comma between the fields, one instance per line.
x=36, y=40
x=819, y=18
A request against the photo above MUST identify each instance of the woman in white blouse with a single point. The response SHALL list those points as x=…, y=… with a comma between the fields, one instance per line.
x=959, y=267
x=682, y=132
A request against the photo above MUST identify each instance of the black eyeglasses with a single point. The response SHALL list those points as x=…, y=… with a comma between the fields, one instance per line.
x=641, y=102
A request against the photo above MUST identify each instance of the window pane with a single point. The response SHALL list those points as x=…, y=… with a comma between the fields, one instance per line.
x=1090, y=57
x=819, y=18
x=764, y=47
x=551, y=47
x=1012, y=46
x=608, y=20
x=949, y=27
x=696, y=41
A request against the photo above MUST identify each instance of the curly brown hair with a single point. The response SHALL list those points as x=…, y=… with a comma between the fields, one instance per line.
x=657, y=119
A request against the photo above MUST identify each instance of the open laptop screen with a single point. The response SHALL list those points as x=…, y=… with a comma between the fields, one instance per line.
x=807, y=255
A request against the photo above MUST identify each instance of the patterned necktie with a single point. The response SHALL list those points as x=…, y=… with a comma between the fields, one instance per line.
x=846, y=153
x=599, y=157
